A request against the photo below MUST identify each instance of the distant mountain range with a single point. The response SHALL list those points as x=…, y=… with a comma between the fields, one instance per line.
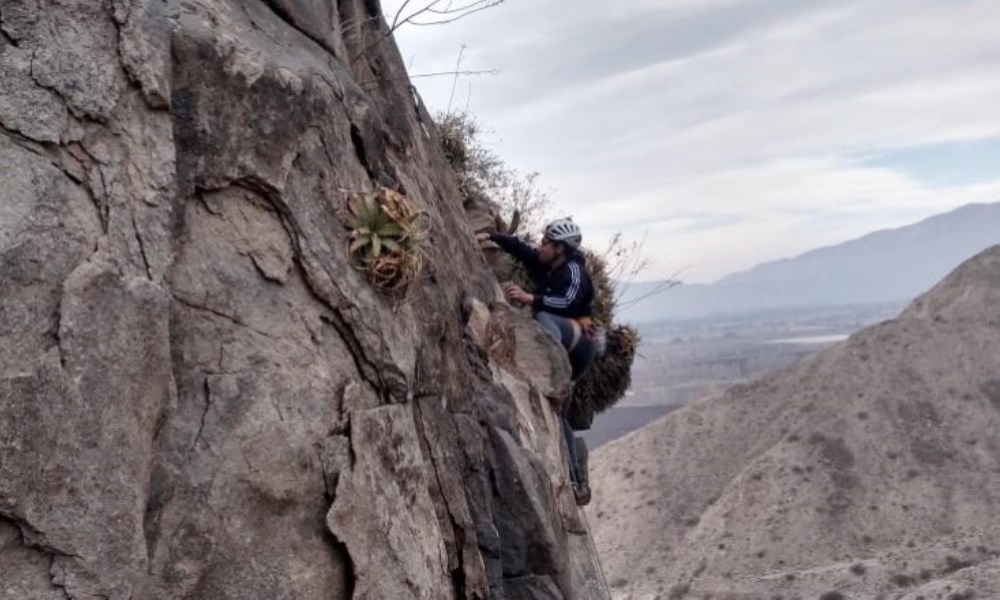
x=888, y=266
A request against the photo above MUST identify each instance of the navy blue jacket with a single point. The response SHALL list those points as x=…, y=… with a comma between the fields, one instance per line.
x=565, y=291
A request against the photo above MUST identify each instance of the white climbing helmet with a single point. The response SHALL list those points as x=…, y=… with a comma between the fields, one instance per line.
x=565, y=231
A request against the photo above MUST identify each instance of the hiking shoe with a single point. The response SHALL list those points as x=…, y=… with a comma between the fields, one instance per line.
x=582, y=494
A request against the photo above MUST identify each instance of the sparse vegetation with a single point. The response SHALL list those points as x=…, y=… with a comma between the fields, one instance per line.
x=424, y=14
x=953, y=564
x=515, y=197
x=386, y=239
x=438, y=12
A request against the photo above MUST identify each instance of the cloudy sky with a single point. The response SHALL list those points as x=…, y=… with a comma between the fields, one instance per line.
x=730, y=132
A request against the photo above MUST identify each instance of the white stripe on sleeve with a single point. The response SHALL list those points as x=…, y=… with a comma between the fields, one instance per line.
x=571, y=293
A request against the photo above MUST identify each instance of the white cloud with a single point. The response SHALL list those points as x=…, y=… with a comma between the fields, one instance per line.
x=728, y=129
x=730, y=220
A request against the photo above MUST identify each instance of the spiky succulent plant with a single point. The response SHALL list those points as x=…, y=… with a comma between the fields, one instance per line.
x=386, y=239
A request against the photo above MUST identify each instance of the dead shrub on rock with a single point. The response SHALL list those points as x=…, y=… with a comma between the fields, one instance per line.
x=609, y=376
x=516, y=199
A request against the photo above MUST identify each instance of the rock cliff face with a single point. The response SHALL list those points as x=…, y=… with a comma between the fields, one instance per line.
x=870, y=471
x=199, y=396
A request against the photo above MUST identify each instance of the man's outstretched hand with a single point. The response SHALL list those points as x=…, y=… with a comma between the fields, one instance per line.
x=483, y=236
x=515, y=293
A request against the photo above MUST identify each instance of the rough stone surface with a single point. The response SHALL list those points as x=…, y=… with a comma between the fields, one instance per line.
x=384, y=481
x=870, y=470
x=200, y=397
x=26, y=107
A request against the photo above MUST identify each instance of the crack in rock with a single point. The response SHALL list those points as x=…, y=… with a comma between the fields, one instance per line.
x=214, y=311
x=275, y=7
x=204, y=414
x=142, y=246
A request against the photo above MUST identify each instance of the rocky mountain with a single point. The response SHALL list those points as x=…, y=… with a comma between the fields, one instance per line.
x=869, y=471
x=201, y=396
x=889, y=266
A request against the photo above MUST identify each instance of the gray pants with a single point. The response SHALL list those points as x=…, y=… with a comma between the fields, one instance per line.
x=561, y=330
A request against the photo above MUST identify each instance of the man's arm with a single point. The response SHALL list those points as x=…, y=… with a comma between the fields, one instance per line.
x=518, y=249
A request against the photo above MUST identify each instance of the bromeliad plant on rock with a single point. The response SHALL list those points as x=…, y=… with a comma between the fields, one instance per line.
x=386, y=239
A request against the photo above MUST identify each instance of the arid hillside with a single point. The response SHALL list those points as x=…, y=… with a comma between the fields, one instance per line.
x=869, y=471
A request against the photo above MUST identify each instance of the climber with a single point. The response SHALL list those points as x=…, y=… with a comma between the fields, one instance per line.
x=562, y=305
